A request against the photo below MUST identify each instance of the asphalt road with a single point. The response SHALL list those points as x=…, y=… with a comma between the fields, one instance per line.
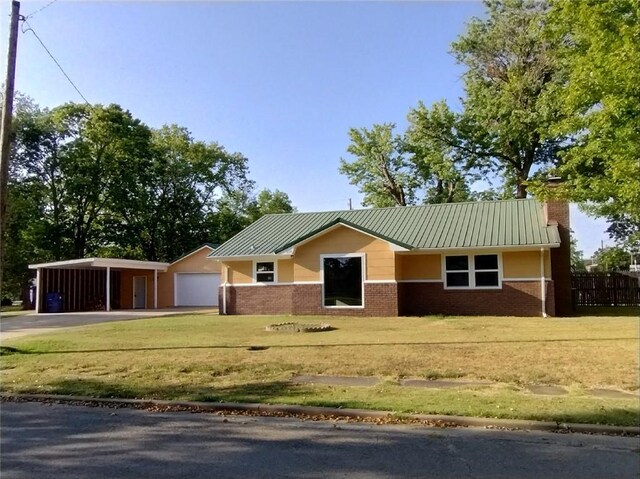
x=31, y=323
x=59, y=441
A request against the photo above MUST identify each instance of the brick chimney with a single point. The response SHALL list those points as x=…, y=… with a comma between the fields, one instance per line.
x=556, y=212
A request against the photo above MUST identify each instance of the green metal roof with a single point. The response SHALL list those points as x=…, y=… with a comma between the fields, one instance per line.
x=479, y=224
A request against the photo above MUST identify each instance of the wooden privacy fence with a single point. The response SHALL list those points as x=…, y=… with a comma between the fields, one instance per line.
x=604, y=289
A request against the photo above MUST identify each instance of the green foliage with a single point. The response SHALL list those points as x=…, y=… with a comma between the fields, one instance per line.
x=84, y=158
x=238, y=208
x=272, y=202
x=612, y=258
x=439, y=166
x=380, y=168
x=577, y=256
x=174, y=210
x=600, y=54
x=395, y=170
x=512, y=83
x=95, y=181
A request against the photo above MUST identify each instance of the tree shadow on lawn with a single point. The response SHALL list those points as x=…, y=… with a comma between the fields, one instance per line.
x=6, y=350
x=249, y=392
x=604, y=311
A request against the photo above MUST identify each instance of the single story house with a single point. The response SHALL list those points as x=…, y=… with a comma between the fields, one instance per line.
x=486, y=258
x=91, y=284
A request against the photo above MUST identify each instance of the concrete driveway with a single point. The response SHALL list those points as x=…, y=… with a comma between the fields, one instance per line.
x=32, y=323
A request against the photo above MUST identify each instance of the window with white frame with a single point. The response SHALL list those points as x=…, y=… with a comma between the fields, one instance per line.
x=472, y=271
x=265, y=272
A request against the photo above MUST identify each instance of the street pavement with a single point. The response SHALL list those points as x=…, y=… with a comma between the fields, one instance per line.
x=31, y=323
x=62, y=441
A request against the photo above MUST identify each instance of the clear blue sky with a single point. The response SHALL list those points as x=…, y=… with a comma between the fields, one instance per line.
x=280, y=82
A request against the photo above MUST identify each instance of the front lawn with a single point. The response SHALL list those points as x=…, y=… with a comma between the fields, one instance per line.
x=203, y=357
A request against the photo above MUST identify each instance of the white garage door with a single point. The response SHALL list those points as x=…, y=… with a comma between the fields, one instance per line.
x=197, y=289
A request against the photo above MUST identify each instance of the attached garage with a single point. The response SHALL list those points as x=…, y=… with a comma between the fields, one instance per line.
x=94, y=284
x=196, y=289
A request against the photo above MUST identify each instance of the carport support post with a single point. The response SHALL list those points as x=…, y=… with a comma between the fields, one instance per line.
x=108, y=305
x=38, y=290
x=155, y=289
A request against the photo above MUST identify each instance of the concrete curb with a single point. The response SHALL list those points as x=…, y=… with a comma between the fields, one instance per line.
x=334, y=413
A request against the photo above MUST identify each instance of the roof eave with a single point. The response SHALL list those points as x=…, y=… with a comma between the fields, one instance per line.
x=252, y=257
x=526, y=247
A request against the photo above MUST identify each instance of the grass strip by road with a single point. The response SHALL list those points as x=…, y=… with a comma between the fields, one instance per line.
x=208, y=358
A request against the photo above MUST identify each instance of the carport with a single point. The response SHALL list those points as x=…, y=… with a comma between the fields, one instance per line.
x=97, y=284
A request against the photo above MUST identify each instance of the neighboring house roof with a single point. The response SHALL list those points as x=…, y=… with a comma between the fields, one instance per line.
x=210, y=246
x=510, y=223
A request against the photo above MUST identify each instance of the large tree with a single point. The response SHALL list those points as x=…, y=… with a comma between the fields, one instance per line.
x=380, y=168
x=441, y=167
x=600, y=54
x=94, y=180
x=400, y=170
x=511, y=84
x=171, y=212
x=86, y=158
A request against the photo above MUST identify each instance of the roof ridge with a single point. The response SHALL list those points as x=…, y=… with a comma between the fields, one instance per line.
x=373, y=208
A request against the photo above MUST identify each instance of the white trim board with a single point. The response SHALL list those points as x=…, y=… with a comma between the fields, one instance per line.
x=537, y=280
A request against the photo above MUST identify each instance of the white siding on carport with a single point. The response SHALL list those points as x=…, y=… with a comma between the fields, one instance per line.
x=196, y=289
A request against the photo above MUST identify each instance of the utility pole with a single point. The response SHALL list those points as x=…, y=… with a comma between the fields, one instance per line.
x=5, y=129
x=350, y=206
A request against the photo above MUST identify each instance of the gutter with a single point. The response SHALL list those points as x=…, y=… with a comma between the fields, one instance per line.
x=328, y=413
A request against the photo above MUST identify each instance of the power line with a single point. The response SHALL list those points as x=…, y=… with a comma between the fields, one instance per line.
x=40, y=9
x=53, y=58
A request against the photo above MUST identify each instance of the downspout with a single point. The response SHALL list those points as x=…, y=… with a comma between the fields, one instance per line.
x=543, y=289
x=38, y=290
x=224, y=290
x=108, y=305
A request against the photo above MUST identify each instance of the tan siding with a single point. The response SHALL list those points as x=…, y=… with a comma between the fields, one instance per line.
x=524, y=264
x=285, y=271
x=196, y=263
x=423, y=266
x=240, y=272
x=165, y=290
x=380, y=259
x=126, y=287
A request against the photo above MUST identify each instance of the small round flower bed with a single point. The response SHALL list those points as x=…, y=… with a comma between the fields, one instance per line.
x=298, y=328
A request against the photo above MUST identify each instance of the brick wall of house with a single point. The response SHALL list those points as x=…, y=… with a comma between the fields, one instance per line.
x=516, y=298
x=381, y=299
x=271, y=299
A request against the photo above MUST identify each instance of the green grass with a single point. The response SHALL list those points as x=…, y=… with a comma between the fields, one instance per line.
x=218, y=358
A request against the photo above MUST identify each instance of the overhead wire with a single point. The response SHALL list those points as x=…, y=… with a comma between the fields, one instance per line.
x=40, y=9
x=30, y=29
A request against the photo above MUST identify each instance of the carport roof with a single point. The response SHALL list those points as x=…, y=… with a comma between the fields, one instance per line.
x=102, y=263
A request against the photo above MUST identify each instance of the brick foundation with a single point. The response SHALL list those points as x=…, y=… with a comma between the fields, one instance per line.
x=271, y=299
x=517, y=298
x=380, y=299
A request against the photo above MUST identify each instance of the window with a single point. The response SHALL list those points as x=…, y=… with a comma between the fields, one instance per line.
x=265, y=272
x=472, y=271
x=342, y=281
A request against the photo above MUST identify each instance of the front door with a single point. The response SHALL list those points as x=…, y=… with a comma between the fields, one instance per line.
x=139, y=292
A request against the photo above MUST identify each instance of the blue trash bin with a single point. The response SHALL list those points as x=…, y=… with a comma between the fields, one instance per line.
x=54, y=302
